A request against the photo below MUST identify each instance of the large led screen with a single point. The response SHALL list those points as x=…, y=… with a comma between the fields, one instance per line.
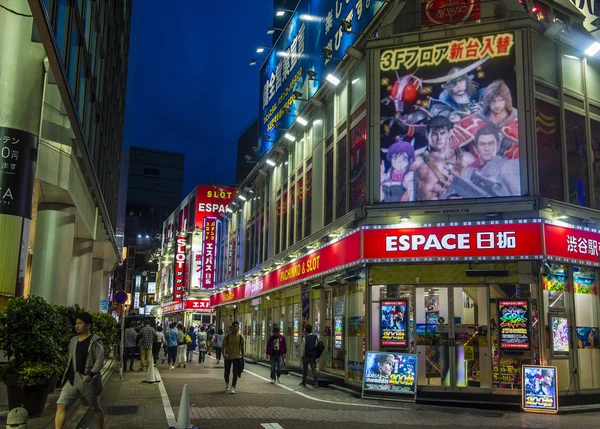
x=449, y=121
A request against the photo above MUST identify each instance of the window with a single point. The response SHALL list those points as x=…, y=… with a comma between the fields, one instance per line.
x=277, y=222
x=358, y=83
x=358, y=165
x=548, y=137
x=595, y=137
x=342, y=181
x=299, y=201
x=328, y=186
x=572, y=72
x=151, y=172
x=308, y=199
x=292, y=205
x=284, y=216
x=577, y=163
x=329, y=117
x=342, y=110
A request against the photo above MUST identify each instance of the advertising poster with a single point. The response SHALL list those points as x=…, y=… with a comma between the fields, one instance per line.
x=514, y=322
x=560, y=335
x=539, y=392
x=584, y=280
x=305, y=302
x=449, y=121
x=296, y=330
x=393, y=323
x=555, y=282
x=338, y=333
x=587, y=338
x=390, y=372
x=444, y=12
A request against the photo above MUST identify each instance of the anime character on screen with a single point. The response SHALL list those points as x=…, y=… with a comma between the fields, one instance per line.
x=440, y=164
x=383, y=365
x=490, y=175
x=460, y=96
x=397, y=182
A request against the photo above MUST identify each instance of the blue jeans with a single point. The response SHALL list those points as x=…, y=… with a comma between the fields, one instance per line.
x=276, y=364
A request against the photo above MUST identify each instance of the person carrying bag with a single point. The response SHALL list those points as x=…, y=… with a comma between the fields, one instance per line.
x=233, y=353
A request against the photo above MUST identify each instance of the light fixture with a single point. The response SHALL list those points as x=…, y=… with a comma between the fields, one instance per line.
x=272, y=30
x=253, y=61
x=333, y=79
x=561, y=217
x=554, y=29
x=573, y=57
x=302, y=121
x=593, y=49
x=241, y=197
x=405, y=218
x=147, y=236
x=355, y=81
x=261, y=49
x=354, y=52
x=545, y=268
x=281, y=12
x=289, y=137
x=139, y=235
x=228, y=210
x=270, y=162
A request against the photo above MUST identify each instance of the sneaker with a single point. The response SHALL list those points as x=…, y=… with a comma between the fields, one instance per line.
x=171, y=367
x=179, y=366
x=227, y=387
x=185, y=365
x=303, y=384
x=279, y=380
x=272, y=381
x=233, y=390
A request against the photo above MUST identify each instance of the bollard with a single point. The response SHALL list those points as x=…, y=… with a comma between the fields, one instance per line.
x=17, y=418
x=151, y=375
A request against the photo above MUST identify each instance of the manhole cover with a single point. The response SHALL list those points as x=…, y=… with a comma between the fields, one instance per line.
x=487, y=414
x=122, y=410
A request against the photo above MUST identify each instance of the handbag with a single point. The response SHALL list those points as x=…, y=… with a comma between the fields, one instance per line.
x=241, y=361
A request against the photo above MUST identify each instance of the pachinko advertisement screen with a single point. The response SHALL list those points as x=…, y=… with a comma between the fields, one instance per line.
x=539, y=391
x=390, y=372
x=449, y=122
x=560, y=335
x=514, y=324
x=393, y=323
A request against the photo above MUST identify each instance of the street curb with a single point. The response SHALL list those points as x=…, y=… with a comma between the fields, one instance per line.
x=81, y=411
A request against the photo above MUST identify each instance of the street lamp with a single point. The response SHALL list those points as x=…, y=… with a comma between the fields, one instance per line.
x=281, y=12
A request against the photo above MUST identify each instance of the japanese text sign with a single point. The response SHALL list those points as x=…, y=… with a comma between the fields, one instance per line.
x=460, y=241
x=394, y=314
x=539, y=391
x=571, y=243
x=209, y=253
x=514, y=324
x=211, y=201
x=180, y=267
x=390, y=372
x=198, y=304
x=172, y=307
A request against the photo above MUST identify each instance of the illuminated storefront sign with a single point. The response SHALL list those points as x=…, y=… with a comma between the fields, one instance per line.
x=394, y=314
x=460, y=241
x=172, y=307
x=514, y=324
x=390, y=372
x=209, y=253
x=211, y=201
x=470, y=146
x=440, y=12
x=565, y=243
x=314, y=25
x=198, y=304
x=539, y=391
x=180, y=267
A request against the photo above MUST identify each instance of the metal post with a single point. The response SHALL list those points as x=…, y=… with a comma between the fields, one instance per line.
x=121, y=362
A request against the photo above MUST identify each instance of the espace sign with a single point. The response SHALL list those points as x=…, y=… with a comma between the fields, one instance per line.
x=455, y=242
x=211, y=201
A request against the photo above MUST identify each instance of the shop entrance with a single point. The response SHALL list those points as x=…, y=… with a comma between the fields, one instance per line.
x=452, y=337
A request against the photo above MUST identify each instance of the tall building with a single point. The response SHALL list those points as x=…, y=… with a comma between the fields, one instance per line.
x=427, y=198
x=64, y=69
x=153, y=183
x=247, y=152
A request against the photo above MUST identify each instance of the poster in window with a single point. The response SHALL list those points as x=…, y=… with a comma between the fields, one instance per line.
x=390, y=372
x=560, y=335
x=449, y=121
x=514, y=322
x=393, y=323
x=555, y=282
x=338, y=333
x=584, y=280
x=539, y=392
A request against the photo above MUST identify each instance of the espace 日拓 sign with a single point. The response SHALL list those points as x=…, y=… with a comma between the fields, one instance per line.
x=344, y=251
x=211, y=201
x=457, y=241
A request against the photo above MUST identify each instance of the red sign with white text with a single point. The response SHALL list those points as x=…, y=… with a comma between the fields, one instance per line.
x=172, y=307
x=211, y=201
x=198, y=304
x=342, y=252
x=460, y=241
x=180, y=267
x=571, y=243
x=209, y=247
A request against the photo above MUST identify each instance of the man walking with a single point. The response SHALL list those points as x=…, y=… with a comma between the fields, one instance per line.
x=171, y=338
x=233, y=352
x=82, y=377
x=158, y=343
x=276, y=349
x=181, y=347
x=147, y=336
x=308, y=354
x=130, y=340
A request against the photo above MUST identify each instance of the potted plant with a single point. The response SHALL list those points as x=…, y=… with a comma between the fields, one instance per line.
x=32, y=335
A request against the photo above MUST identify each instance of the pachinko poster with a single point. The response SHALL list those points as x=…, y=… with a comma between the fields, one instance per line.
x=539, y=392
x=449, y=124
x=514, y=323
x=393, y=323
x=560, y=335
x=390, y=372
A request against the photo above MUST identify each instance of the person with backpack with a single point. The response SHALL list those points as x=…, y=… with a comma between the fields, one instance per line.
x=233, y=353
x=310, y=349
x=276, y=350
x=202, y=337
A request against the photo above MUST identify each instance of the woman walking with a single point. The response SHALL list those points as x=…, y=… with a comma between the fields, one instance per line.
x=192, y=345
x=219, y=344
x=202, y=344
x=171, y=340
x=181, y=346
x=159, y=340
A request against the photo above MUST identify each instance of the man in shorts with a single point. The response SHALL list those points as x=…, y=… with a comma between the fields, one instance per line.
x=82, y=377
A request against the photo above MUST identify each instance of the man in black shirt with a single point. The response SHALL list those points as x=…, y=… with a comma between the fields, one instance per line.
x=82, y=377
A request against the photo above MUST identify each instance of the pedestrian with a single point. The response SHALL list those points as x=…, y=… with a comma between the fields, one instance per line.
x=202, y=346
x=210, y=334
x=276, y=350
x=147, y=336
x=219, y=344
x=82, y=377
x=171, y=339
x=308, y=354
x=191, y=346
x=159, y=340
x=233, y=352
x=130, y=341
x=181, y=346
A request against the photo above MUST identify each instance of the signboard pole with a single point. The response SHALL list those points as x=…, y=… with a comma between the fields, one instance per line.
x=122, y=341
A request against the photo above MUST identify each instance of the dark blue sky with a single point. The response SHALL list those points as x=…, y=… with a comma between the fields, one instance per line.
x=190, y=88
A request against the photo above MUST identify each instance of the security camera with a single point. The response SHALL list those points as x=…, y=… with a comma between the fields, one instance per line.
x=346, y=25
x=286, y=110
x=327, y=52
x=311, y=74
x=298, y=94
x=266, y=136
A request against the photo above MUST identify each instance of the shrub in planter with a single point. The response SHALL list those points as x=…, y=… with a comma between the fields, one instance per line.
x=105, y=326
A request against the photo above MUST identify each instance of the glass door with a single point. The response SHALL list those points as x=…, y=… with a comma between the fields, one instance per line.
x=452, y=337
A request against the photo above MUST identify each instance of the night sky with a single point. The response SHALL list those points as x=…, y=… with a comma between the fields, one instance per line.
x=190, y=88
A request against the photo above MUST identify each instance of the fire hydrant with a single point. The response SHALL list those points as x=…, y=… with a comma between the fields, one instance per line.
x=17, y=418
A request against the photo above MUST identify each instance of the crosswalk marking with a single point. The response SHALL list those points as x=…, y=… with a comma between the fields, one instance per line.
x=271, y=425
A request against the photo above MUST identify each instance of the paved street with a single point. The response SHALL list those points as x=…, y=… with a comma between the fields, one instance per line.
x=258, y=404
